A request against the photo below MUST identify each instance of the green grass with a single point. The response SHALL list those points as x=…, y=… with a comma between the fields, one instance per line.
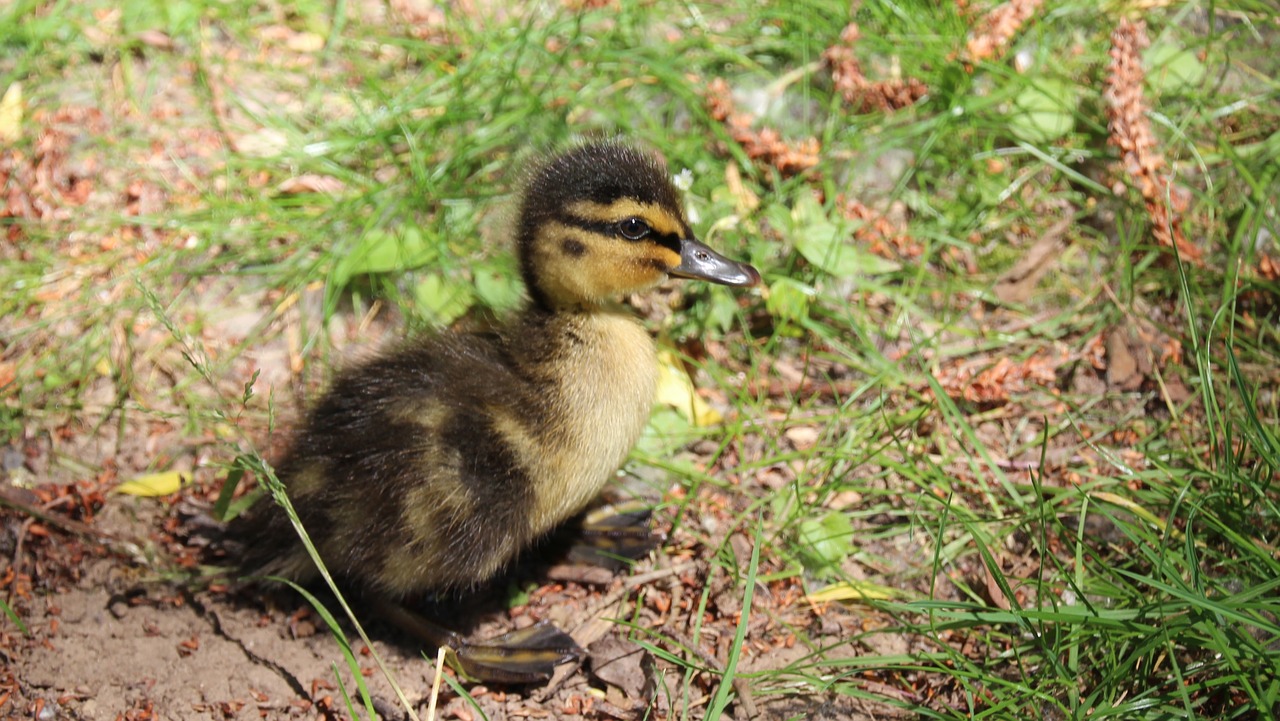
x=1073, y=550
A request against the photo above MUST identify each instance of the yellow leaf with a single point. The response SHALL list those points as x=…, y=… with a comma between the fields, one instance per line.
x=853, y=591
x=745, y=200
x=305, y=43
x=152, y=485
x=11, y=114
x=1138, y=510
x=675, y=389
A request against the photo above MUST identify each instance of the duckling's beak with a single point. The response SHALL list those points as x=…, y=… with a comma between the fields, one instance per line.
x=702, y=263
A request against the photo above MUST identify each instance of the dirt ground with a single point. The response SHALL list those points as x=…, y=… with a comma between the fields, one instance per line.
x=110, y=638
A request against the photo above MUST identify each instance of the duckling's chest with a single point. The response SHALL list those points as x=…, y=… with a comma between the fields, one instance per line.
x=605, y=376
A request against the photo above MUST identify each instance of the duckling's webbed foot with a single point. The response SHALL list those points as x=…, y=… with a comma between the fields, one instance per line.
x=529, y=655
x=614, y=534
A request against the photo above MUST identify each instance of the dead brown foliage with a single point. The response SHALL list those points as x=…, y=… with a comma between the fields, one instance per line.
x=859, y=93
x=43, y=186
x=765, y=145
x=975, y=381
x=882, y=236
x=1130, y=131
x=1269, y=268
x=997, y=28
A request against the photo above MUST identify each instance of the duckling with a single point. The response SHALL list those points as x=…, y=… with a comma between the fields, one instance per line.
x=431, y=467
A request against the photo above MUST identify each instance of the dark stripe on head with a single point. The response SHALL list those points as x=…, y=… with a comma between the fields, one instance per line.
x=666, y=240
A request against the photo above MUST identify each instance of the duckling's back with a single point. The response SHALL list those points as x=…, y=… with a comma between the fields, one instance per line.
x=433, y=466
x=378, y=473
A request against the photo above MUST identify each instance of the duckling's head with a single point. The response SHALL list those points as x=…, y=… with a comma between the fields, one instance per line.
x=603, y=219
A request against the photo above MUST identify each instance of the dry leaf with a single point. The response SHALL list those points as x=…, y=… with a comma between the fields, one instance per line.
x=675, y=389
x=617, y=662
x=262, y=143
x=156, y=39
x=152, y=485
x=1019, y=282
x=745, y=200
x=853, y=590
x=312, y=183
x=11, y=114
x=802, y=437
x=305, y=43
x=1123, y=371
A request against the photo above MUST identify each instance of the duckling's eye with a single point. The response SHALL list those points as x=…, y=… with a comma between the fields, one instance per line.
x=633, y=228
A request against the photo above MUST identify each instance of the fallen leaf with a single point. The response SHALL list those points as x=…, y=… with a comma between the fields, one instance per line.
x=305, y=43
x=157, y=39
x=152, y=485
x=1123, y=372
x=312, y=183
x=11, y=114
x=675, y=389
x=802, y=437
x=826, y=541
x=618, y=662
x=1018, y=283
x=745, y=200
x=1137, y=510
x=853, y=590
x=1175, y=391
x=262, y=143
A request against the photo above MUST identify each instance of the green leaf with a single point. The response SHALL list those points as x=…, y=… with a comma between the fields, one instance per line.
x=1172, y=69
x=789, y=299
x=1044, y=111
x=441, y=299
x=497, y=287
x=827, y=245
x=721, y=309
x=518, y=595
x=13, y=616
x=826, y=541
x=381, y=251
x=667, y=432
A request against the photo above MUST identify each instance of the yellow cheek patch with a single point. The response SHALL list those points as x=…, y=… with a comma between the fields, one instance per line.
x=664, y=255
x=659, y=218
x=575, y=265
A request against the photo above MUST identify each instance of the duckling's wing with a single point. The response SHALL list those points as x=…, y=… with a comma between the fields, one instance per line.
x=403, y=475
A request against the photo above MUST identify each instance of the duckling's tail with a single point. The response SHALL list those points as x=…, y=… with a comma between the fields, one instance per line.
x=263, y=544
